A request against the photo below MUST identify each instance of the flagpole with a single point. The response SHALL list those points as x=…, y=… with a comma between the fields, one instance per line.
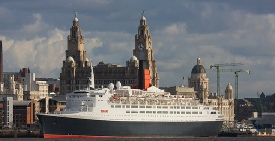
x=183, y=80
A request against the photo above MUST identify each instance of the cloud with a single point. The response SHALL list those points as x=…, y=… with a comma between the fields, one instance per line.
x=174, y=29
x=36, y=27
x=217, y=31
x=249, y=42
x=43, y=54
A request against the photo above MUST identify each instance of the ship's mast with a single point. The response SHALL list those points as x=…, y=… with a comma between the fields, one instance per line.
x=92, y=83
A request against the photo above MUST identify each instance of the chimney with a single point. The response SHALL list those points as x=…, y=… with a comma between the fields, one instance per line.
x=1, y=62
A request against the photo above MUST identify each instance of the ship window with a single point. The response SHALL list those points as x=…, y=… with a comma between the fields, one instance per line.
x=149, y=112
x=141, y=106
x=194, y=107
x=159, y=107
x=134, y=111
x=123, y=106
x=148, y=106
x=165, y=107
x=159, y=112
x=127, y=111
x=134, y=106
x=141, y=111
x=188, y=112
x=165, y=112
x=188, y=107
x=171, y=107
x=200, y=112
x=112, y=106
x=154, y=112
x=182, y=112
x=182, y=107
x=178, y=107
x=127, y=106
x=171, y=112
x=194, y=112
x=118, y=106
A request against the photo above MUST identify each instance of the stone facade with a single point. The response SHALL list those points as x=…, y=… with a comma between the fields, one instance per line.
x=11, y=86
x=144, y=51
x=105, y=73
x=199, y=81
x=181, y=90
x=225, y=104
x=76, y=69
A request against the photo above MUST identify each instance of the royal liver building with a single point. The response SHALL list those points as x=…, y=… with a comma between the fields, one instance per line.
x=144, y=50
x=76, y=69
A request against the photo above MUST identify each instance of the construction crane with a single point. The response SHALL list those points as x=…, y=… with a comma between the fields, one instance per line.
x=236, y=80
x=236, y=72
x=217, y=66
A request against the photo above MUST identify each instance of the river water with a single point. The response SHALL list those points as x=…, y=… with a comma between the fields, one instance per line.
x=153, y=139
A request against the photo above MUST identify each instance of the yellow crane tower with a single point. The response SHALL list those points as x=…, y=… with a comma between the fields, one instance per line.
x=217, y=66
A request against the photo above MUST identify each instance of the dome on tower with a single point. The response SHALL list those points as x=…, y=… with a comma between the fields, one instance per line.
x=75, y=17
x=133, y=58
x=70, y=59
x=229, y=86
x=143, y=18
x=198, y=69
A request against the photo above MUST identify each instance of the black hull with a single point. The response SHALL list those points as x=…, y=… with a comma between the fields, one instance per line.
x=53, y=125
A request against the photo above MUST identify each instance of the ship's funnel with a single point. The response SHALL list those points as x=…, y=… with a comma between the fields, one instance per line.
x=143, y=75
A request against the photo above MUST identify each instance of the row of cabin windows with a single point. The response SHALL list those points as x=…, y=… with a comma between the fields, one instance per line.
x=72, y=96
x=159, y=107
x=165, y=112
x=79, y=100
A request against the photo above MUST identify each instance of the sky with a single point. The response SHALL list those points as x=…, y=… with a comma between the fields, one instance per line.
x=34, y=35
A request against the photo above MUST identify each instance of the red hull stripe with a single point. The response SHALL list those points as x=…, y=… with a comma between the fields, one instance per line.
x=80, y=136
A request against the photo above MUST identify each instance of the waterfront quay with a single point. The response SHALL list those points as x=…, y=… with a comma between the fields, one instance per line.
x=19, y=133
x=27, y=135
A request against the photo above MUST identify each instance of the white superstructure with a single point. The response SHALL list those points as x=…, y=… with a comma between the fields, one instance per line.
x=126, y=104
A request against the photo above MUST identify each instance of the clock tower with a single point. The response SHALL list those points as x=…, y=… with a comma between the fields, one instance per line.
x=77, y=69
x=144, y=52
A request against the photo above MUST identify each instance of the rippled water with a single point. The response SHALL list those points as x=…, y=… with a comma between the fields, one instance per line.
x=153, y=139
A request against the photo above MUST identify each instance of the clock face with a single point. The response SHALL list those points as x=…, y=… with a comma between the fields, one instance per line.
x=141, y=47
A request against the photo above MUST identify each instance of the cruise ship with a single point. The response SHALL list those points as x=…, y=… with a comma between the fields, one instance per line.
x=122, y=111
